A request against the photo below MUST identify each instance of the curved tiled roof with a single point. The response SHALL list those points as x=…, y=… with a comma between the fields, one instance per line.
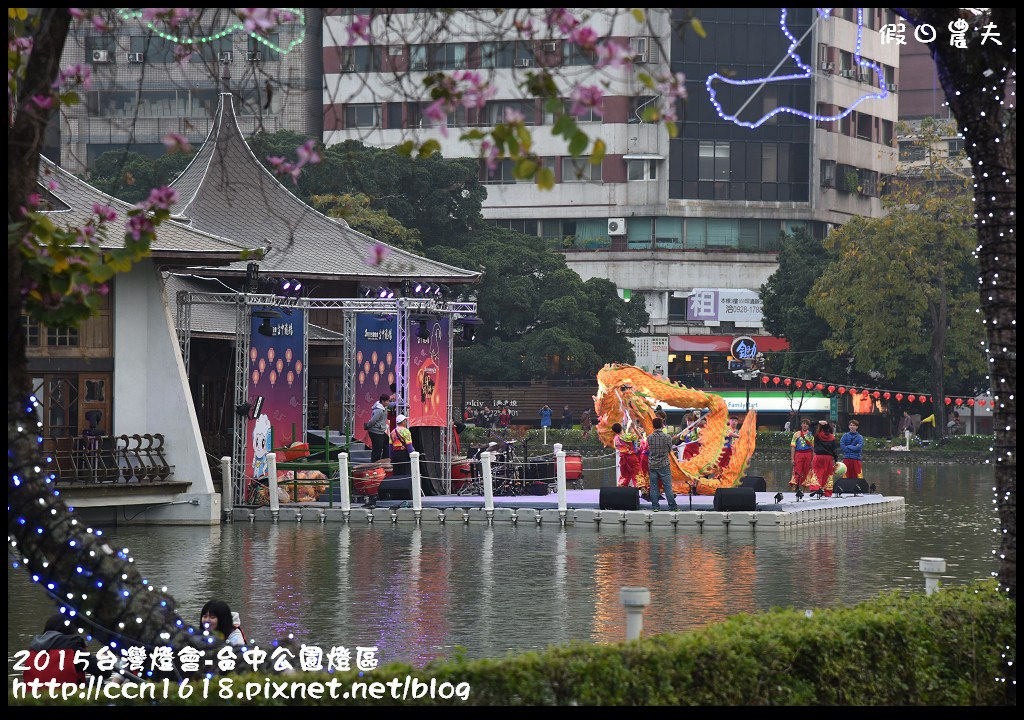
x=72, y=202
x=225, y=188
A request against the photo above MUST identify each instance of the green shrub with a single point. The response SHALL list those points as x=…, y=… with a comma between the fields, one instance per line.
x=943, y=649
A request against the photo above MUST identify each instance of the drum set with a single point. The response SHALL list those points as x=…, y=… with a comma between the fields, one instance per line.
x=511, y=472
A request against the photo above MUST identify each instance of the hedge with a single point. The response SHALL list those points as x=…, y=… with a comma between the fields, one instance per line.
x=898, y=649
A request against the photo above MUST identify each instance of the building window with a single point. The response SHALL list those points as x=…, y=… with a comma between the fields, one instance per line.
x=154, y=48
x=253, y=101
x=96, y=45
x=163, y=103
x=769, y=162
x=506, y=55
x=642, y=169
x=869, y=183
x=640, y=107
x=911, y=151
x=580, y=170
x=668, y=233
x=266, y=54
x=502, y=174
x=954, y=147
x=886, y=138
x=638, y=233
x=211, y=51
x=713, y=161
x=30, y=328
x=363, y=58
x=362, y=115
x=62, y=337
x=572, y=54
x=494, y=113
x=588, y=116
x=95, y=390
x=828, y=173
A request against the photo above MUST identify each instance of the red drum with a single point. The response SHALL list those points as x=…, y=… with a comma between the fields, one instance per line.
x=461, y=470
x=573, y=466
x=367, y=478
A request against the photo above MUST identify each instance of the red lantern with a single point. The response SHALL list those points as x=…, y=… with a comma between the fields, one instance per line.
x=819, y=386
x=911, y=398
x=841, y=389
x=765, y=379
x=799, y=383
x=970, y=401
x=876, y=394
x=924, y=399
x=831, y=388
x=886, y=395
x=787, y=382
x=776, y=380
x=948, y=401
x=959, y=401
x=899, y=397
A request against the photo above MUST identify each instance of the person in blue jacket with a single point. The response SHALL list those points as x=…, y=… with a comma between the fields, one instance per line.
x=852, y=444
x=545, y=417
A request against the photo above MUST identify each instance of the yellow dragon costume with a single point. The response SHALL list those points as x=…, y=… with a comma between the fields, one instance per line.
x=627, y=395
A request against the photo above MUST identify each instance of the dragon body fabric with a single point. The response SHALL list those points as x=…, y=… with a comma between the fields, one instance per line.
x=628, y=395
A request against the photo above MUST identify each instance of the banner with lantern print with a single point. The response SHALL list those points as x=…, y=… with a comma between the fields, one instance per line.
x=428, y=373
x=866, y=400
x=276, y=393
x=376, y=351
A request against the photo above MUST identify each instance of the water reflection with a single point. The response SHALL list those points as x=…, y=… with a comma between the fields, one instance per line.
x=418, y=593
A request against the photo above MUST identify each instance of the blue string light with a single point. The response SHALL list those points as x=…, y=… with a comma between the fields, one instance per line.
x=825, y=13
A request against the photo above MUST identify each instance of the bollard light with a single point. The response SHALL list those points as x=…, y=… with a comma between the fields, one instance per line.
x=932, y=569
x=634, y=599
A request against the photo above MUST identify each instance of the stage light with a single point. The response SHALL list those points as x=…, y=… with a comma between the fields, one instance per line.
x=468, y=333
x=418, y=289
x=242, y=409
x=265, y=328
x=382, y=292
x=286, y=286
x=367, y=292
x=298, y=288
x=252, y=277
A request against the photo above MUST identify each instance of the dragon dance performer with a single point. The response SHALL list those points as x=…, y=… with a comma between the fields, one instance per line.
x=824, y=464
x=690, y=435
x=801, y=452
x=731, y=432
x=629, y=457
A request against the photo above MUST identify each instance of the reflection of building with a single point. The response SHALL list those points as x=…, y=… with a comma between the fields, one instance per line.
x=659, y=217
x=140, y=93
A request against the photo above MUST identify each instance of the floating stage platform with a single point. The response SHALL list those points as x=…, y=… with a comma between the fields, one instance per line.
x=583, y=510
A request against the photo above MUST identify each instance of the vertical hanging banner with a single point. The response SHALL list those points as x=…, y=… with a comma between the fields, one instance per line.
x=275, y=395
x=376, y=348
x=428, y=371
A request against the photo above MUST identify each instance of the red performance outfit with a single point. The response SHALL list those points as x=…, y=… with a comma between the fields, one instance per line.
x=803, y=452
x=824, y=463
x=629, y=460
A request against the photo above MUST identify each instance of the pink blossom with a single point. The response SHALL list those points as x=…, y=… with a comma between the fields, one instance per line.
x=104, y=212
x=513, y=116
x=99, y=24
x=586, y=98
x=53, y=185
x=21, y=44
x=76, y=13
x=45, y=102
x=150, y=14
x=585, y=37
x=613, y=54
x=137, y=225
x=275, y=160
x=161, y=198
x=34, y=199
x=103, y=289
x=80, y=73
x=258, y=20
x=378, y=252
x=173, y=16
x=177, y=143
x=525, y=27
x=306, y=153
x=359, y=30
x=182, y=54
x=489, y=151
x=562, y=19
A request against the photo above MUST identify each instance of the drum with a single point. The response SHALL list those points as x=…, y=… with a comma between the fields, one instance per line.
x=367, y=478
x=461, y=469
x=573, y=466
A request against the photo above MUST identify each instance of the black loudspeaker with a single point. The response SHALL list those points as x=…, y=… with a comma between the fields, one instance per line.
x=735, y=499
x=537, y=487
x=754, y=481
x=395, y=489
x=619, y=498
x=849, y=486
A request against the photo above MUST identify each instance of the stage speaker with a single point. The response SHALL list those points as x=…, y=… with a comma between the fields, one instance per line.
x=851, y=486
x=537, y=487
x=735, y=499
x=754, y=481
x=619, y=498
x=395, y=489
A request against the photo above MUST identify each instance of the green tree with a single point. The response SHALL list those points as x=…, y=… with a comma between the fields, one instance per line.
x=130, y=176
x=899, y=291
x=356, y=211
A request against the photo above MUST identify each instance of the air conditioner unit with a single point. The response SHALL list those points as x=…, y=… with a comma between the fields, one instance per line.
x=522, y=62
x=395, y=50
x=892, y=88
x=100, y=56
x=616, y=226
x=831, y=67
x=418, y=65
x=828, y=182
x=135, y=57
x=224, y=57
x=348, y=68
x=550, y=47
x=827, y=67
x=253, y=56
x=847, y=74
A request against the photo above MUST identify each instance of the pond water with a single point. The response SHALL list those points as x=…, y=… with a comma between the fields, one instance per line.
x=419, y=593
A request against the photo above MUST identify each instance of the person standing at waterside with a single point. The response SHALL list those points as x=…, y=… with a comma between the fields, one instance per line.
x=659, y=448
x=852, y=445
x=545, y=417
x=377, y=426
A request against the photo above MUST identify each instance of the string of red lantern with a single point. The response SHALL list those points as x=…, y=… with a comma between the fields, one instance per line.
x=876, y=394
